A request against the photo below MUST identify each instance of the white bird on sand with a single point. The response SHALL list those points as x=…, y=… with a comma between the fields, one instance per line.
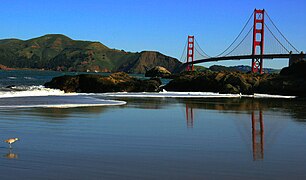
x=11, y=141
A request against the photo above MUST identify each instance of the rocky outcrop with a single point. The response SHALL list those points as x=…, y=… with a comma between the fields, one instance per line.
x=291, y=81
x=223, y=82
x=158, y=71
x=297, y=69
x=92, y=83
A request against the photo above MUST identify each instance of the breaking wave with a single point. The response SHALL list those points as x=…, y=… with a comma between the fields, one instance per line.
x=25, y=91
x=39, y=96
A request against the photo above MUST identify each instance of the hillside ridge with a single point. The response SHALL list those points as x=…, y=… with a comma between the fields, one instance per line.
x=61, y=53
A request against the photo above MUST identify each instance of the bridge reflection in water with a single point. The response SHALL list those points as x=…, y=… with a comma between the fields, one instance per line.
x=257, y=130
x=189, y=116
x=258, y=136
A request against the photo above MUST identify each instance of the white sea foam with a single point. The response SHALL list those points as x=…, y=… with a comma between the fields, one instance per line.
x=272, y=96
x=56, y=102
x=29, y=78
x=39, y=96
x=25, y=91
x=109, y=103
x=170, y=94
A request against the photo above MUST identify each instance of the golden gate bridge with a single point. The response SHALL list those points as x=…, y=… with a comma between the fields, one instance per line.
x=256, y=41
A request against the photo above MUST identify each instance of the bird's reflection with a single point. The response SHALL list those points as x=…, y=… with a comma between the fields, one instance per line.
x=11, y=155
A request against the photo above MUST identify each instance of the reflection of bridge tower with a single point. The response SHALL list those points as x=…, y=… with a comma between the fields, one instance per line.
x=189, y=116
x=258, y=136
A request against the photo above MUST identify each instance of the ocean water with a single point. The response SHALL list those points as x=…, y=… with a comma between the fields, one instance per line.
x=147, y=136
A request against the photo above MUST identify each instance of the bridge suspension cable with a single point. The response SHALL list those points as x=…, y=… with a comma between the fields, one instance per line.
x=244, y=38
x=183, y=56
x=256, y=46
x=201, y=51
x=280, y=32
x=236, y=37
x=276, y=38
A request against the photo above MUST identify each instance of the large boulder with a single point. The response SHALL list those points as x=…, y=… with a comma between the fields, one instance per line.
x=158, y=71
x=93, y=83
x=291, y=81
x=223, y=82
x=297, y=69
x=238, y=83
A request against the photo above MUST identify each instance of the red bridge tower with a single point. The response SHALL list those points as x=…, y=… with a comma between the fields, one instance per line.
x=190, y=52
x=258, y=40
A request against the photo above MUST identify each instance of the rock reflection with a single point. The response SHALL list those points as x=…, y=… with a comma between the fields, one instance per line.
x=63, y=113
x=11, y=155
x=56, y=115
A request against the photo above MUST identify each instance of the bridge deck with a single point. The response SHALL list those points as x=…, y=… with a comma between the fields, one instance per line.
x=265, y=56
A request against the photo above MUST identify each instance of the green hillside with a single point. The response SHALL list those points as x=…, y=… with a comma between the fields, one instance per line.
x=59, y=52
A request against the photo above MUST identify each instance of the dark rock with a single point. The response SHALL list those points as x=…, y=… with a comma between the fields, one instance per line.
x=152, y=85
x=291, y=81
x=238, y=82
x=297, y=69
x=66, y=83
x=228, y=88
x=204, y=81
x=158, y=71
x=10, y=86
x=93, y=83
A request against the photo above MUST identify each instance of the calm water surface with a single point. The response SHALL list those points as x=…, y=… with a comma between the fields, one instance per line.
x=158, y=139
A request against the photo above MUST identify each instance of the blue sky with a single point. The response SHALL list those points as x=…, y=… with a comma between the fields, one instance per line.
x=160, y=25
